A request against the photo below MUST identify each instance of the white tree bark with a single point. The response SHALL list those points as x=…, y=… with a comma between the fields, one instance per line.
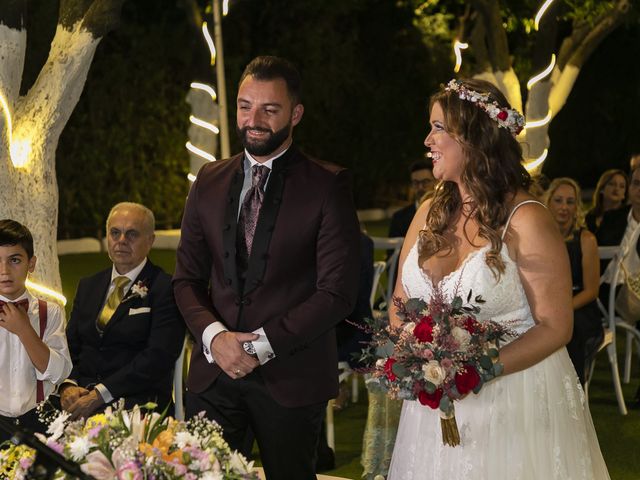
x=30, y=193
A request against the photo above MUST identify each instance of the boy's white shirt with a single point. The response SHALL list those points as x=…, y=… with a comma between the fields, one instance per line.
x=18, y=375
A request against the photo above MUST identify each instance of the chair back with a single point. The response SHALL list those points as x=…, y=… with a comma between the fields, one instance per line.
x=612, y=253
x=392, y=245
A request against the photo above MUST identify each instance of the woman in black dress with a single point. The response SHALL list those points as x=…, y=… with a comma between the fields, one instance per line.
x=563, y=200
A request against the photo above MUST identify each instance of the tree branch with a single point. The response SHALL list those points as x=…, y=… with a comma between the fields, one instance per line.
x=586, y=36
x=13, y=47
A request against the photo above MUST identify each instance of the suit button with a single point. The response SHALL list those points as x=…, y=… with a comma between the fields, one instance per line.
x=226, y=227
x=271, y=228
x=228, y=280
x=238, y=302
x=226, y=254
x=230, y=199
x=247, y=301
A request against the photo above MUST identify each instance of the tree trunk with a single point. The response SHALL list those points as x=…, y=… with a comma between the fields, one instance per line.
x=30, y=192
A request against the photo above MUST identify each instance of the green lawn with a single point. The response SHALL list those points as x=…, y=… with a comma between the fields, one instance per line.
x=619, y=436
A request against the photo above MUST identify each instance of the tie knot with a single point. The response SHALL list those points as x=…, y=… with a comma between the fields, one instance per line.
x=260, y=173
x=120, y=281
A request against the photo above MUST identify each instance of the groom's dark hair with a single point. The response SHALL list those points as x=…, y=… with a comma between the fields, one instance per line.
x=268, y=67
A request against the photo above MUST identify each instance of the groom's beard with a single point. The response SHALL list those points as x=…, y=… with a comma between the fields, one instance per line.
x=262, y=148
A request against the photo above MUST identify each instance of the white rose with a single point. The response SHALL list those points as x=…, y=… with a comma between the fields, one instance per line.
x=79, y=448
x=409, y=327
x=433, y=372
x=462, y=337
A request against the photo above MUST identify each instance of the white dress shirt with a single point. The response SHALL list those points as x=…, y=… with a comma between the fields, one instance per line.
x=18, y=375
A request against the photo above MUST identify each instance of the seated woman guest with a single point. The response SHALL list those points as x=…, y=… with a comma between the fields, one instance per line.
x=563, y=200
x=610, y=194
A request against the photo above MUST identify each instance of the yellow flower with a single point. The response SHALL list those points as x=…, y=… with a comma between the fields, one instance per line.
x=97, y=420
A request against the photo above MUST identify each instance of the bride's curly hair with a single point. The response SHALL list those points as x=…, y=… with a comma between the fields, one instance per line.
x=492, y=174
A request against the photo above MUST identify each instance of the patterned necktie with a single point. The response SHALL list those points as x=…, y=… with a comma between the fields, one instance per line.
x=113, y=300
x=24, y=303
x=249, y=214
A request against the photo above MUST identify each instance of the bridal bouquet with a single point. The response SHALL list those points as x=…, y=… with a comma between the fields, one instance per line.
x=136, y=445
x=437, y=356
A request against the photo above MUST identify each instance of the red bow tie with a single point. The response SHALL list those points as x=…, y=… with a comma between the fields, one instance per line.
x=24, y=303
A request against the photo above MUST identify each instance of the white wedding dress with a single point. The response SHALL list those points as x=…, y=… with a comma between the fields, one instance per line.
x=530, y=425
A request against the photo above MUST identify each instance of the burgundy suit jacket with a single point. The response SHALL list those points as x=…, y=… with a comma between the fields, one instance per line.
x=302, y=275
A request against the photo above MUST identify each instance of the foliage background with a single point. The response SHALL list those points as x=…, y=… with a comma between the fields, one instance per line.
x=368, y=66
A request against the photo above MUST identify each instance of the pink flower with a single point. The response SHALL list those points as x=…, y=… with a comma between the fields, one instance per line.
x=98, y=466
x=55, y=446
x=446, y=363
x=25, y=463
x=129, y=471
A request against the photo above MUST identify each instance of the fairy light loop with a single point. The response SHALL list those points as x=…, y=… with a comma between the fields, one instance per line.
x=458, y=46
x=541, y=12
x=533, y=164
x=536, y=78
x=201, y=153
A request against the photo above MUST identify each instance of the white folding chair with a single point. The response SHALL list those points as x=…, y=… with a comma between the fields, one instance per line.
x=178, y=389
x=611, y=321
x=380, y=289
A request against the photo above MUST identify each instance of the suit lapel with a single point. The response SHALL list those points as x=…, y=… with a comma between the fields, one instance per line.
x=230, y=224
x=266, y=221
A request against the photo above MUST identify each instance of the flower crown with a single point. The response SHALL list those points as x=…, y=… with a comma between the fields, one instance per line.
x=505, y=117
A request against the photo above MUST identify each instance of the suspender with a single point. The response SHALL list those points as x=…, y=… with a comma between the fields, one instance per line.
x=42, y=314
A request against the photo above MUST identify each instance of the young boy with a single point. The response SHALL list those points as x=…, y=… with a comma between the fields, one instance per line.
x=34, y=356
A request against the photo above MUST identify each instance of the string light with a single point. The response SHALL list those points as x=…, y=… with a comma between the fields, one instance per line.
x=209, y=40
x=539, y=123
x=225, y=7
x=207, y=88
x=201, y=123
x=535, y=79
x=46, y=291
x=457, y=48
x=543, y=9
x=193, y=149
x=191, y=177
x=533, y=164
x=19, y=150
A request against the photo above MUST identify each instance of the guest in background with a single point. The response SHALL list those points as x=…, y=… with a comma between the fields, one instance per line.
x=610, y=194
x=634, y=162
x=125, y=331
x=422, y=184
x=563, y=200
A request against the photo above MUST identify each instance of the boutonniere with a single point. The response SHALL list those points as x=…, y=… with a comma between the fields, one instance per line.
x=138, y=290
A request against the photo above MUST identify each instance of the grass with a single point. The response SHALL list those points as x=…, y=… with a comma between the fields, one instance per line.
x=619, y=435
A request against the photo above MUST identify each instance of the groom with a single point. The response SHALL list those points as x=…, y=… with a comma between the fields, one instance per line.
x=266, y=267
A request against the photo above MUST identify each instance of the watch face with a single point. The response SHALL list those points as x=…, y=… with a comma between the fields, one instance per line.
x=249, y=348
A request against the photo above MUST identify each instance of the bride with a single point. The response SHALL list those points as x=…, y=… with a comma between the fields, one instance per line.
x=483, y=232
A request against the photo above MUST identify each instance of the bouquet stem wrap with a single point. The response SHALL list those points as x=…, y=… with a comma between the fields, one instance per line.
x=450, y=433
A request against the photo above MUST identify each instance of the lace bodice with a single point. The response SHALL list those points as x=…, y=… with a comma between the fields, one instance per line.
x=505, y=300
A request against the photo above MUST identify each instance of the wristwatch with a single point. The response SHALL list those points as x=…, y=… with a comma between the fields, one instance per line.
x=249, y=348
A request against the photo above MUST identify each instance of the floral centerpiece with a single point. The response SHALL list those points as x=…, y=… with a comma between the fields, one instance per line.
x=438, y=355
x=136, y=444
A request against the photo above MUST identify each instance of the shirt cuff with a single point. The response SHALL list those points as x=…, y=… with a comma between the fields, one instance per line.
x=104, y=393
x=207, y=337
x=264, y=350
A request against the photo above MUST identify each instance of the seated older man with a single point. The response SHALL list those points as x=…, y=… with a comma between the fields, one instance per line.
x=125, y=331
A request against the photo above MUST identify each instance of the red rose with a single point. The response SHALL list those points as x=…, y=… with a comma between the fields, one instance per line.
x=430, y=399
x=388, y=369
x=470, y=325
x=468, y=380
x=502, y=115
x=423, y=331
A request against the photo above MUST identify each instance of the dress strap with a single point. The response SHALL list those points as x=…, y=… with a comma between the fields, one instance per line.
x=506, y=225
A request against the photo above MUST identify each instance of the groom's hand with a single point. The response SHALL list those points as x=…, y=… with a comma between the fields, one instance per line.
x=227, y=351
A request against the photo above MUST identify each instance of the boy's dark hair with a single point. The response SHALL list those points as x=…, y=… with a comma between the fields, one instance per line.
x=422, y=164
x=14, y=233
x=268, y=67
